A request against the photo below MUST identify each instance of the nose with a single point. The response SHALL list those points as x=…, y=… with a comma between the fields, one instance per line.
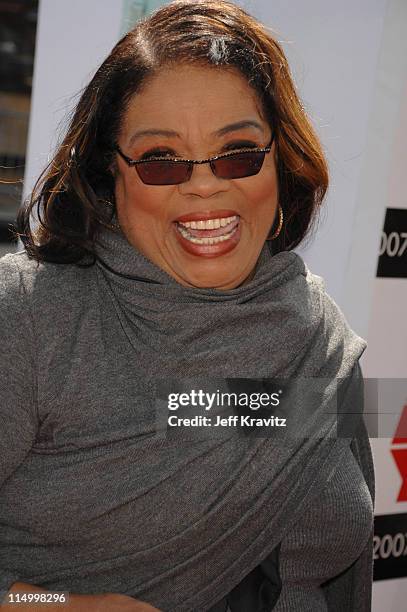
x=203, y=182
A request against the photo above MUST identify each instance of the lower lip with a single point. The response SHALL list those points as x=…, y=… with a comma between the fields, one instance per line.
x=209, y=250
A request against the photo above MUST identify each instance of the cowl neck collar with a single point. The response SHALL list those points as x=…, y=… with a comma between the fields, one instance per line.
x=248, y=491
x=280, y=323
x=121, y=259
x=188, y=331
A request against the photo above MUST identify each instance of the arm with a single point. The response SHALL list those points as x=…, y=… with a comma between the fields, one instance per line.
x=18, y=417
x=18, y=406
x=19, y=424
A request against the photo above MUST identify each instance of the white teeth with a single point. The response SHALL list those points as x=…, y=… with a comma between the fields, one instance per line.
x=210, y=223
x=213, y=240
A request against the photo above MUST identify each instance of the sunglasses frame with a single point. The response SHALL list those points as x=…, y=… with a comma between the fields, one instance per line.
x=191, y=162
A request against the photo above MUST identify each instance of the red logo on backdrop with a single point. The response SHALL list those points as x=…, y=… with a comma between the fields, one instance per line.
x=400, y=454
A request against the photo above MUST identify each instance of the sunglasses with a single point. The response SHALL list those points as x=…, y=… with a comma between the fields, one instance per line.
x=163, y=171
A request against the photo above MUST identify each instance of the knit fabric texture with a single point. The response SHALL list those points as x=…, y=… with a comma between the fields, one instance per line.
x=93, y=500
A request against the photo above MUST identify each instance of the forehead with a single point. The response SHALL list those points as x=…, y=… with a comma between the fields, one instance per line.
x=193, y=97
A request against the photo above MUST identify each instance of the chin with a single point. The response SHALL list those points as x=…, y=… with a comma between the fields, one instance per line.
x=220, y=283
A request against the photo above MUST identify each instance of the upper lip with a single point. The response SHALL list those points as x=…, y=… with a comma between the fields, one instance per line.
x=206, y=215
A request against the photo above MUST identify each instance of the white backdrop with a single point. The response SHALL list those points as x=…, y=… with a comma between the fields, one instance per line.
x=349, y=60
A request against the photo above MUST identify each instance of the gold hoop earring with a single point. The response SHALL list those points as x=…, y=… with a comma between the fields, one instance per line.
x=280, y=224
x=111, y=206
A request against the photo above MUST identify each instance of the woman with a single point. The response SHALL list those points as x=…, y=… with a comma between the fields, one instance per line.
x=167, y=220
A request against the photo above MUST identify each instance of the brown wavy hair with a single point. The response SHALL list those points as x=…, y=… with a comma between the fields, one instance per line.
x=74, y=195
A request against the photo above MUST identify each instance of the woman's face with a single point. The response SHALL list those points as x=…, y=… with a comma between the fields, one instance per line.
x=195, y=113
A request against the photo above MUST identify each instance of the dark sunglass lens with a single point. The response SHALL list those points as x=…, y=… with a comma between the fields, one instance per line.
x=239, y=166
x=163, y=172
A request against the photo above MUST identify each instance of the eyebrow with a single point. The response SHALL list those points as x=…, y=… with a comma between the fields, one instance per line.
x=227, y=129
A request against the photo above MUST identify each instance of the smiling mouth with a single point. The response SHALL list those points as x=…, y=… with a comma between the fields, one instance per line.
x=209, y=232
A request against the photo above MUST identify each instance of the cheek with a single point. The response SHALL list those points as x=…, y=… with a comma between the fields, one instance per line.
x=140, y=201
x=263, y=195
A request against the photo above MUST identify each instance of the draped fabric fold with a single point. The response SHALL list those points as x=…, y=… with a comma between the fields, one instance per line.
x=279, y=324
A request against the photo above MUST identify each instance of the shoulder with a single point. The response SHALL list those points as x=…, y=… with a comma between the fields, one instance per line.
x=308, y=291
x=314, y=283
x=22, y=277
x=333, y=333
x=42, y=294
x=316, y=286
x=292, y=272
x=41, y=304
x=12, y=287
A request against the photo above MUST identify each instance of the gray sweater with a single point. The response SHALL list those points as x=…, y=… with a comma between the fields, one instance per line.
x=65, y=483
x=330, y=534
